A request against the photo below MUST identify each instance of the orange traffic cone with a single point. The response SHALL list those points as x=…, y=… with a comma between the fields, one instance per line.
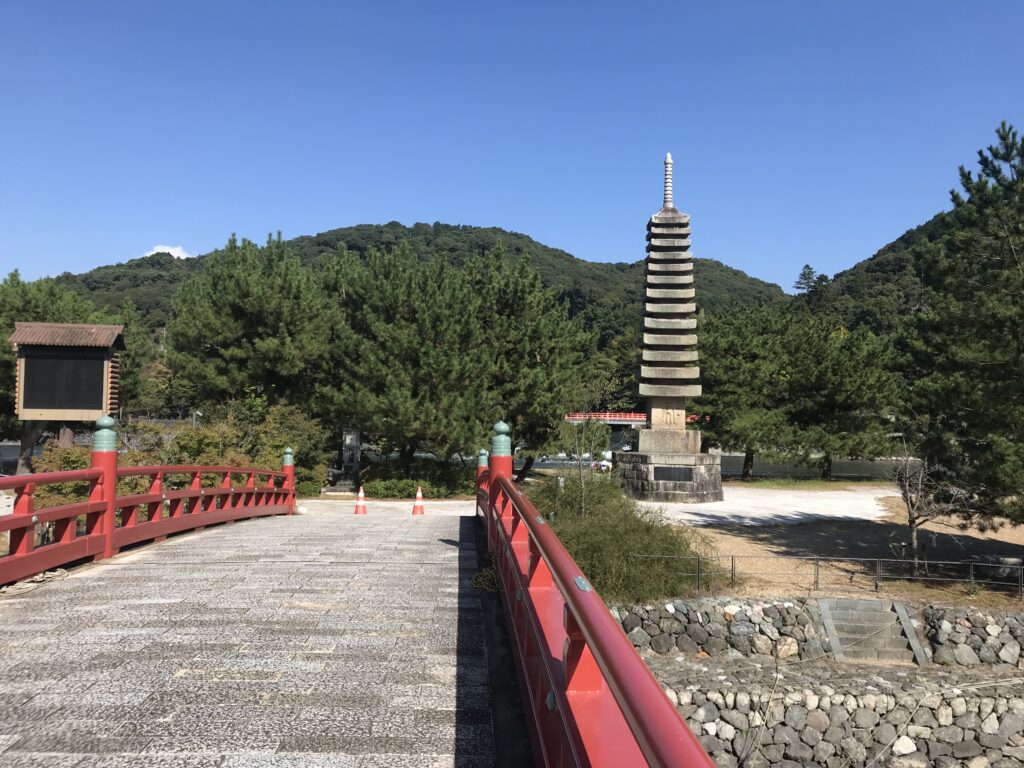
x=417, y=508
x=360, y=502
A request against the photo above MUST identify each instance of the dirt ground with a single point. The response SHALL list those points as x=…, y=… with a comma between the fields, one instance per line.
x=760, y=570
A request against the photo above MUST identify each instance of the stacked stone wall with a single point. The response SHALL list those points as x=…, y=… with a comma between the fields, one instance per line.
x=825, y=717
x=966, y=637
x=753, y=680
x=720, y=628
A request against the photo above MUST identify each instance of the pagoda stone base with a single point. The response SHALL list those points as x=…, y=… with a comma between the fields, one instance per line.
x=686, y=477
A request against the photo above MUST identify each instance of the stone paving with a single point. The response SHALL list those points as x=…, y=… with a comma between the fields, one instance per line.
x=323, y=640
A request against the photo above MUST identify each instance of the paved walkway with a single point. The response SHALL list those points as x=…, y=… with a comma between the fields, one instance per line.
x=322, y=639
x=771, y=506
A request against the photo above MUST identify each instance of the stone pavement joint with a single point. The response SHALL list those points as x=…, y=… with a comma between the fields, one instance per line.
x=321, y=639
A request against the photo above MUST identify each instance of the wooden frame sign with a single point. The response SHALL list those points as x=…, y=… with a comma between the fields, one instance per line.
x=66, y=372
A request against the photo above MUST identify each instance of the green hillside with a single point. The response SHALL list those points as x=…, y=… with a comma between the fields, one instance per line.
x=597, y=289
x=883, y=290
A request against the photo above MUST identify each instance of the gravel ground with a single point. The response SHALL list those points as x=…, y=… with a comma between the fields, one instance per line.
x=775, y=559
x=750, y=505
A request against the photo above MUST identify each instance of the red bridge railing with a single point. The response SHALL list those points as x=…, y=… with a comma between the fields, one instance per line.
x=591, y=699
x=176, y=499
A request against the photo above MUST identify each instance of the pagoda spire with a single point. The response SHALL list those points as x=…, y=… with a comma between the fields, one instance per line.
x=668, y=181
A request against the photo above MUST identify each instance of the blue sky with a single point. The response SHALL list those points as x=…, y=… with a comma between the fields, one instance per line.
x=803, y=132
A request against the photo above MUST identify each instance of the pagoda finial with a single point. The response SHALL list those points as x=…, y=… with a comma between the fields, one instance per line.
x=668, y=180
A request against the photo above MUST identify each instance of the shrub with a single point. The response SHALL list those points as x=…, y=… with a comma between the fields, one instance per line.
x=444, y=479
x=57, y=458
x=402, y=488
x=629, y=554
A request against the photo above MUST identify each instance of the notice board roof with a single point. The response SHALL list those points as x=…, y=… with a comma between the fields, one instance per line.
x=67, y=335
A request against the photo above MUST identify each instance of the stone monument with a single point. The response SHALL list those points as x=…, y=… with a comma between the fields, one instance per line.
x=668, y=465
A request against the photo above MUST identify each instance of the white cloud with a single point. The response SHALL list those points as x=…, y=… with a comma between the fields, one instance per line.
x=175, y=250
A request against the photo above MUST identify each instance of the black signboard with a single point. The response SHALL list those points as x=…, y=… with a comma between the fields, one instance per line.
x=63, y=378
x=676, y=474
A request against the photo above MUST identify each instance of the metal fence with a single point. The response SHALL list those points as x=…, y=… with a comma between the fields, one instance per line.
x=714, y=572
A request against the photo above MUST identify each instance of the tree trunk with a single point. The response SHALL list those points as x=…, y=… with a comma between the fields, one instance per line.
x=826, y=467
x=527, y=466
x=405, y=460
x=748, y=463
x=913, y=524
x=31, y=431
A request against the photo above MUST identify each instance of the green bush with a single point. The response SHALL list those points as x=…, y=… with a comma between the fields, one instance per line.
x=401, y=488
x=630, y=555
x=393, y=479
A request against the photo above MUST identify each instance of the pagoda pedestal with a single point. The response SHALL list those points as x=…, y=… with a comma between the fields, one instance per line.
x=685, y=477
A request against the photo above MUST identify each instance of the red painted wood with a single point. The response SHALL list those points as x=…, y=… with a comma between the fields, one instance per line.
x=592, y=699
x=13, y=568
x=265, y=492
x=147, y=531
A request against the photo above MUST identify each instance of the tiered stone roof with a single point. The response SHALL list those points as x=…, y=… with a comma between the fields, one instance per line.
x=669, y=368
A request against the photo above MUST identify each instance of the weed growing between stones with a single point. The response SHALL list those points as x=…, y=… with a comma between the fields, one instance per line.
x=486, y=580
x=629, y=554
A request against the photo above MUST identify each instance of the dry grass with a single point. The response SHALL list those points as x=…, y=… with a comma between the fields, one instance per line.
x=760, y=570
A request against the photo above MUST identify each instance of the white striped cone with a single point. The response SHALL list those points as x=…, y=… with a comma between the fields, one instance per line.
x=417, y=508
x=361, y=502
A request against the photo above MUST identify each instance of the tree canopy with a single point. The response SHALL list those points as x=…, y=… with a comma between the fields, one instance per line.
x=966, y=347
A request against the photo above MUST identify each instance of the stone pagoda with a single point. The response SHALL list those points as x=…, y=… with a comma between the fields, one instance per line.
x=668, y=465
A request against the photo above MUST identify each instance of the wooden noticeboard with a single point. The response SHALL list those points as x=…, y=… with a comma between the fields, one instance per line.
x=66, y=372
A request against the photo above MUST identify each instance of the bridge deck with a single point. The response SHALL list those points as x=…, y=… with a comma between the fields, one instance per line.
x=322, y=639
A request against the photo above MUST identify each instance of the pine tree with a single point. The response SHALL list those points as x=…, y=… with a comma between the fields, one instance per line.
x=841, y=391
x=743, y=370
x=251, y=317
x=966, y=361
x=807, y=279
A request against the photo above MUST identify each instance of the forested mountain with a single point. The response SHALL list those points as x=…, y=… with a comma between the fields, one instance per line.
x=596, y=289
x=150, y=282
x=884, y=290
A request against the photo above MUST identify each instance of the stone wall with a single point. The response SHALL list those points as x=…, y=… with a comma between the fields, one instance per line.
x=730, y=629
x=825, y=716
x=754, y=681
x=967, y=637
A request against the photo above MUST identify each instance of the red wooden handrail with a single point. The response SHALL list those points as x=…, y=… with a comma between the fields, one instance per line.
x=187, y=469
x=112, y=521
x=592, y=699
x=16, y=482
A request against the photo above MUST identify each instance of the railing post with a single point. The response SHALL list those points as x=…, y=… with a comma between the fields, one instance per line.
x=481, y=468
x=816, y=583
x=250, y=496
x=878, y=575
x=698, y=573
x=23, y=540
x=104, y=458
x=156, y=508
x=500, y=464
x=288, y=467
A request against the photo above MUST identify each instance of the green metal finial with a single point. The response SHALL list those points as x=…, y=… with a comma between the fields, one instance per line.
x=104, y=438
x=501, y=443
x=481, y=457
x=289, y=457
